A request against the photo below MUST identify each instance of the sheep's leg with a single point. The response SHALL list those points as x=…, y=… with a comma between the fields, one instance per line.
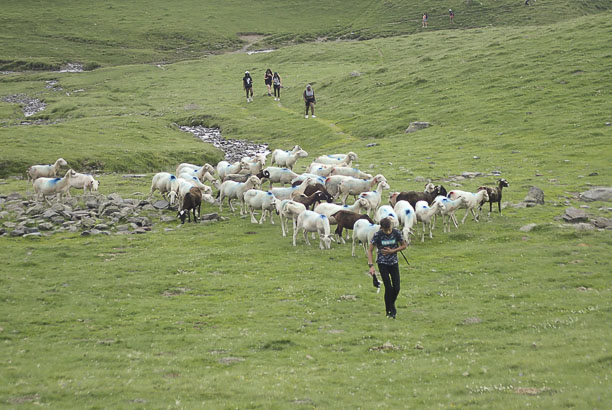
x=295, y=232
x=474, y=215
x=282, y=221
x=253, y=219
x=353, y=247
x=430, y=230
x=344, y=198
x=454, y=219
x=220, y=202
x=263, y=216
x=306, y=237
x=229, y=202
x=499, y=205
x=423, y=235
x=467, y=211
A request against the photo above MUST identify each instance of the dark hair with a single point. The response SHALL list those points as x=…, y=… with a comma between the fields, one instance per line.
x=385, y=224
x=268, y=71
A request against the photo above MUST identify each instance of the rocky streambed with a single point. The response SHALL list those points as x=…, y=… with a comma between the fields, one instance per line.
x=234, y=149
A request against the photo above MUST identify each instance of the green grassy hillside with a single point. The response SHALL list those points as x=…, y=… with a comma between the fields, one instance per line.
x=230, y=314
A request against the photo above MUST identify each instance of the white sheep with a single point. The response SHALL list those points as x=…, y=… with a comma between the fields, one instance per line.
x=425, y=214
x=48, y=171
x=224, y=168
x=320, y=169
x=407, y=218
x=374, y=197
x=253, y=165
x=309, y=221
x=185, y=185
x=337, y=159
x=45, y=187
x=314, y=179
x=235, y=190
x=196, y=182
x=350, y=172
x=327, y=209
x=194, y=170
x=280, y=175
x=448, y=209
x=363, y=231
x=285, y=193
x=472, y=201
x=85, y=182
x=354, y=186
x=257, y=199
x=166, y=184
x=332, y=184
x=288, y=209
x=287, y=158
x=386, y=211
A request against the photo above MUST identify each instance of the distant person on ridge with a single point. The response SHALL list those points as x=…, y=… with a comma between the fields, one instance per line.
x=268, y=81
x=276, y=81
x=309, y=100
x=425, y=18
x=451, y=15
x=247, y=83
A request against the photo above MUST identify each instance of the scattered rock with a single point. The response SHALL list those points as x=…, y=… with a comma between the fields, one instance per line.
x=602, y=223
x=471, y=174
x=528, y=227
x=597, y=194
x=234, y=150
x=161, y=204
x=535, y=196
x=33, y=235
x=45, y=226
x=419, y=179
x=210, y=217
x=574, y=215
x=355, y=74
x=372, y=144
x=416, y=126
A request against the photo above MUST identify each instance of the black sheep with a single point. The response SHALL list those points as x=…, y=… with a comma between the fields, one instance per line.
x=191, y=202
x=495, y=194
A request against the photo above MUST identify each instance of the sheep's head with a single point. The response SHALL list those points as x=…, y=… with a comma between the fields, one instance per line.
x=503, y=182
x=380, y=178
x=254, y=181
x=384, y=185
x=352, y=156
x=429, y=187
x=172, y=196
x=301, y=153
x=70, y=174
x=209, y=168
x=393, y=198
x=94, y=185
x=62, y=162
x=182, y=215
x=327, y=240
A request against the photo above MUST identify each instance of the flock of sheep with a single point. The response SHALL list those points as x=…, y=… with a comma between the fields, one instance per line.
x=46, y=183
x=310, y=199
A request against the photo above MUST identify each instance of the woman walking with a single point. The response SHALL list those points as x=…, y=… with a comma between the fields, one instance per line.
x=276, y=81
x=247, y=83
x=268, y=81
x=309, y=100
x=388, y=242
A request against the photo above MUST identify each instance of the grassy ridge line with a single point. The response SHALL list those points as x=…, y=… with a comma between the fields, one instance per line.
x=117, y=33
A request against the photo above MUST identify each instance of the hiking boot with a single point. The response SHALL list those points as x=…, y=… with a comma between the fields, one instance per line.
x=314, y=116
x=305, y=116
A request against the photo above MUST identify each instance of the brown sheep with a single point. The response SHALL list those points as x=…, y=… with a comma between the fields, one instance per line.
x=191, y=202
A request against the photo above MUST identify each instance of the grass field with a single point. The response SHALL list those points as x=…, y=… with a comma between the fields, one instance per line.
x=230, y=314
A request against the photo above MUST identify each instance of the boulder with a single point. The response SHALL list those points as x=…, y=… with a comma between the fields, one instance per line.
x=597, y=194
x=161, y=204
x=35, y=210
x=210, y=217
x=18, y=232
x=602, y=223
x=535, y=196
x=45, y=226
x=417, y=125
x=33, y=235
x=574, y=215
x=528, y=227
x=49, y=213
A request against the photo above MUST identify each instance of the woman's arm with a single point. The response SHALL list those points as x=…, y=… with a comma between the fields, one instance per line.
x=370, y=259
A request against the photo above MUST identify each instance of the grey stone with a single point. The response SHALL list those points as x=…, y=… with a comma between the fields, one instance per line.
x=9, y=224
x=472, y=174
x=101, y=227
x=123, y=228
x=35, y=210
x=4, y=214
x=574, y=215
x=148, y=207
x=167, y=218
x=140, y=231
x=416, y=126
x=419, y=179
x=49, y=213
x=92, y=204
x=601, y=222
x=88, y=222
x=161, y=204
x=115, y=197
x=57, y=219
x=85, y=233
x=372, y=144
x=17, y=232
x=45, y=226
x=527, y=228
x=33, y=235
x=535, y=196
x=355, y=74
x=583, y=226
x=13, y=196
x=597, y=194
x=210, y=217
x=30, y=229
x=72, y=228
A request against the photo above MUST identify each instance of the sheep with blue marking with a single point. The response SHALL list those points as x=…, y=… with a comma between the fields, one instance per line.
x=44, y=187
x=166, y=184
x=310, y=221
x=261, y=200
x=46, y=171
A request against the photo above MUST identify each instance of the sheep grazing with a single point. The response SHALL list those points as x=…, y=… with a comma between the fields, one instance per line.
x=472, y=202
x=85, y=182
x=448, y=209
x=166, y=184
x=192, y=201
x=349, y=172
x=280, y=175
x=45, y=187
x=425, y=214
x=224, y=168
x=337, y=159
x=191, y=167
x=374, y=197
x=346, y=220
x=235, y=190
x=414, y=196
x=363, y=231
x=406, y=217
x=320, y=169
x=196, y=182
x=354, y=186
x=309, y=221
x=288, y=209
x=47, y=171
x=287, y=159
x=311, y=189
x=285, y=193
x=257, y=199
x=495, y=194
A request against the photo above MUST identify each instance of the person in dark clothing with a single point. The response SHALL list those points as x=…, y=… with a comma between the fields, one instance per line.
x=247, y=83
x=309, y=100
x=388, y=242
x=451, y=15
x=268, y=81
x=277, y=82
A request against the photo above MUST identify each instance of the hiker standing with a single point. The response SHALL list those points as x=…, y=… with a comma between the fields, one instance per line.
x=277, y=82
x=268, y=81
x=309, y=100
x=425, y=18
x=247, y=83
x=388, y=242
x=451, y=15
